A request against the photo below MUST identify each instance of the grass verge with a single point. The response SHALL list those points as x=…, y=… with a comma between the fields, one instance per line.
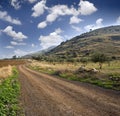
x=109, y=81
x=9, y=92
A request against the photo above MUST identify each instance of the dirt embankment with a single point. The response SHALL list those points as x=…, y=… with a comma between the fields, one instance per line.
x=44, y=95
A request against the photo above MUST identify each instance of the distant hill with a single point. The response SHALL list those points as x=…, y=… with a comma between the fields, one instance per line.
x=104, y=40
x=36, y=54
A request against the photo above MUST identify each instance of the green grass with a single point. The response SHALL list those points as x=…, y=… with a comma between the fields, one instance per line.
x=106, y=83
x=9, y=92
x=109, y=80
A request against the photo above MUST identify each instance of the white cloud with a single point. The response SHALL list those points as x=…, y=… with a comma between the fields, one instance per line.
x=118, y=20
x=75, y=19
x=5, y=17
x=15, y=4
x=99, y=22
x=42, y=24
x=16, y=43
x=9, y=47
x=52, y=39
x=60, y=10
x=97, y=25
x=77, y=28
x=86, y=8
x=32, y=1
x=16, y=36
x=51, y=17
x=39, y=8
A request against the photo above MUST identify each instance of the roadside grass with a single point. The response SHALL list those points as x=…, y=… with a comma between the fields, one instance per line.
x=5, y=72
x=108, y=77
x=9, y=92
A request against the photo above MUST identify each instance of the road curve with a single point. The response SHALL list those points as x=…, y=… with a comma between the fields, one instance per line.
x=44, y=95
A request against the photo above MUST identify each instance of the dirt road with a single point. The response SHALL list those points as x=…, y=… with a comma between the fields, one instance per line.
x=44, y=95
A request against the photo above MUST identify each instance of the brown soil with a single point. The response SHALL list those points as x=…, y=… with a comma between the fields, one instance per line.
x=4, y=63
x=44, y=95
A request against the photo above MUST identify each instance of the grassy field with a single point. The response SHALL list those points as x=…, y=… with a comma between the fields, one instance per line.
x=107, y=77
x=112, y=67
x=4, y=63
x=9, y=91
x=6, y=67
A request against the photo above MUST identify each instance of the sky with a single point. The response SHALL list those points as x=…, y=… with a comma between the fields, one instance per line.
x=27, y=26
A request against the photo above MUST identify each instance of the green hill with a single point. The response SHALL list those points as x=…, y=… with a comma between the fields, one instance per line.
x=104, y=40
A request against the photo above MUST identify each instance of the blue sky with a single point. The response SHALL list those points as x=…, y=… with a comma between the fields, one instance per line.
x=27, y=26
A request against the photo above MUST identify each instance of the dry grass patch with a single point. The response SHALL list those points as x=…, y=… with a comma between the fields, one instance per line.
x=56, y=66
x=107, y=77
x=11, y=62
x=111, y=67
x=5, y=72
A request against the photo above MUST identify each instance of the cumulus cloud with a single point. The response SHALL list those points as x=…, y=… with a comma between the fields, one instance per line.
x=5, y=17
x=60, y=10
x=98, y=24
x=15, y=4
x=75, y=19
x=16, y=36
x=86, y=8
x=53, y=39
x=51, y=17
x=39, y=8
x=9, y=47
x=118, y=20
x=42, y=24
x=76, y=28
x=16, y=43
x=32, y=1
x=18, y=3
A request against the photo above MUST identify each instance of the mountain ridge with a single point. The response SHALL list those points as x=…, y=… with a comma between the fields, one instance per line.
x=104, y=40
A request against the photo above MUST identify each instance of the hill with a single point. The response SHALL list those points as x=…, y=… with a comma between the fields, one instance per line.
x=104, y=40
x=36, y=54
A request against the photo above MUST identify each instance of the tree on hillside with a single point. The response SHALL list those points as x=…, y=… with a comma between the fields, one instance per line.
x=100, y=58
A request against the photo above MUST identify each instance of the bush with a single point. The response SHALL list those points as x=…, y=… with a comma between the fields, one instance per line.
x=98, y=57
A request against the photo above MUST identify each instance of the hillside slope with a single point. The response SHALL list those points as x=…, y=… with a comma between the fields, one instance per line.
x=36, y=54
x=104, y=40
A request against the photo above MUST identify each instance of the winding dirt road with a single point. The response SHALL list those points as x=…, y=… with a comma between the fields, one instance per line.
x=44, y=95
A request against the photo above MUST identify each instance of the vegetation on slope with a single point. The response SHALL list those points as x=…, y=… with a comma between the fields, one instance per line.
x=104, y=40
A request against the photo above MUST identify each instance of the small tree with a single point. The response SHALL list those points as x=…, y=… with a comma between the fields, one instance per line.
x=14, y=57
x=100, y=58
